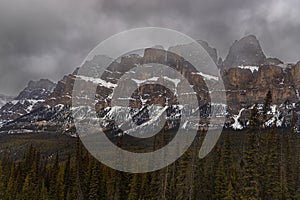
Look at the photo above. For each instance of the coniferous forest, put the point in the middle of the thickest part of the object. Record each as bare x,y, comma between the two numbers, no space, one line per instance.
256,163
255,166
200,96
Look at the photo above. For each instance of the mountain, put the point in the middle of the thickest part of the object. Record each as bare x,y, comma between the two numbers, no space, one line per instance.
28,99
247,52
37,90
247,74
210,50
4,99
55,113
247,87
42,105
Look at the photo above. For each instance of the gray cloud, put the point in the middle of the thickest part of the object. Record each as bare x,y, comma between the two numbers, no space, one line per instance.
47,39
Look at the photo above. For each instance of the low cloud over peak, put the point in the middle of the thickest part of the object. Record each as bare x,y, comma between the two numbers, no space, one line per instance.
47,39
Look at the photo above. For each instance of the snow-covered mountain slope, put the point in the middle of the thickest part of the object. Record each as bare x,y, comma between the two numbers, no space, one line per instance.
55,111
283,115
30,98
246,86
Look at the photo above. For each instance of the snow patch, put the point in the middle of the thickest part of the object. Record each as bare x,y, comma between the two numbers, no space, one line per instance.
251,68
173,80
207,76
297,94
139,82
98,81
236,125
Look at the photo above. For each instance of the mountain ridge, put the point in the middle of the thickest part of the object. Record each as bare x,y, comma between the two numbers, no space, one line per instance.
30,97
246,86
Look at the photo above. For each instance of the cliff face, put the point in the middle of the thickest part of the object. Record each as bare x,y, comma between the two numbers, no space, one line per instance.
245,88
210,50
295,74
248,52
247,75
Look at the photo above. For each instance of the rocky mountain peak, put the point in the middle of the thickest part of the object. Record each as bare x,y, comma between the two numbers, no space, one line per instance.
248,75
210,50
28,99
246,51
37,90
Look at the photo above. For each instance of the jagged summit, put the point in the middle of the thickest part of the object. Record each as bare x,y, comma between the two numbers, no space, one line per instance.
246,51
37,89
248,74
31,97
210,50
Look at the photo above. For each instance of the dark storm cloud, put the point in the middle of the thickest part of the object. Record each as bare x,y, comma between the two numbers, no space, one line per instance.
47,39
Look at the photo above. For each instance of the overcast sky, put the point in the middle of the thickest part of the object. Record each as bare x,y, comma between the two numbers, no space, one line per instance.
47,39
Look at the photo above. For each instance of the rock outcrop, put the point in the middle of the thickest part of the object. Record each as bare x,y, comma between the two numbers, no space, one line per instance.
210,50
248,52
30,98
247,74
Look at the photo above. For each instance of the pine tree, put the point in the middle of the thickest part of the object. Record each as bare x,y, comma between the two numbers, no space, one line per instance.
28,192
67,177
221,182
145,186
134,188
297,178
44,192
94,187
254,121
2,184
271,175
266,106
53,177
12,184
230,193
250,174
291,163
60,186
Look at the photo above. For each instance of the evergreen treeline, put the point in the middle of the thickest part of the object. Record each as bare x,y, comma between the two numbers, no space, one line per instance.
267,167
253,164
